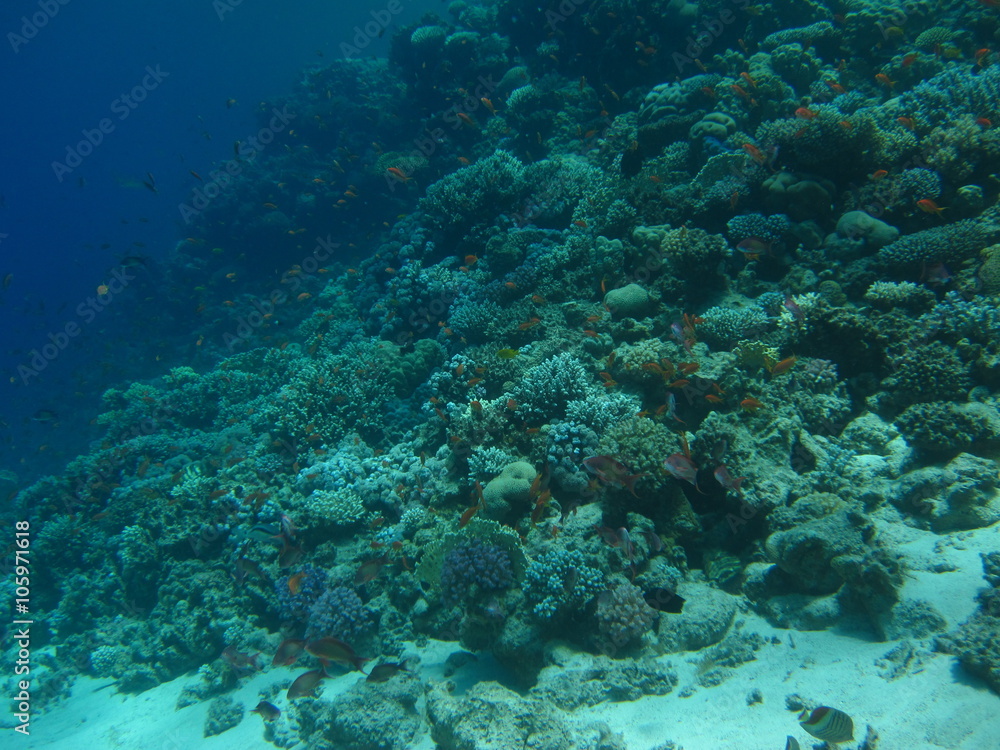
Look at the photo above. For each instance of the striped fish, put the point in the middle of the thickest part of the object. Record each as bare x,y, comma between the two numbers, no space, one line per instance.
791,743
828,724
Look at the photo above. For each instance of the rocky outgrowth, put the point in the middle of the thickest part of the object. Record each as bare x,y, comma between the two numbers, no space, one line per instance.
974,643
489,716
584,680
708,613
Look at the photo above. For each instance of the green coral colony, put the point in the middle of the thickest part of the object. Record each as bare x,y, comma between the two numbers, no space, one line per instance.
675,306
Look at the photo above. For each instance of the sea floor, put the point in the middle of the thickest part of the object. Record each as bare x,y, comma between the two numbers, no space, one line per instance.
932,704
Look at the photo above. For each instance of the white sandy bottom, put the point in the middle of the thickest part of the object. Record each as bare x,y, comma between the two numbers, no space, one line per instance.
939,706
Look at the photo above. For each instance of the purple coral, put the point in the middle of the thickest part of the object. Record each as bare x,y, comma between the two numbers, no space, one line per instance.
473,563
339,612
310,587
623,615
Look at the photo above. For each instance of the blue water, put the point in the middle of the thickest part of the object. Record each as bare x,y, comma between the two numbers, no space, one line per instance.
61,232
650,343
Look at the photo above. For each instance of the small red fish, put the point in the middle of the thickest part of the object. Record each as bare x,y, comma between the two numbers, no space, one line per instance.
295,583
306,683
755,153
335,650
242,664
399,174
682,467
784,365
288,652
612,471
930,207
467,515
804,113
370,570
723,477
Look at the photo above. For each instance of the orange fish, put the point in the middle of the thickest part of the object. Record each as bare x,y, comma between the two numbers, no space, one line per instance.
746,77
471,260
712,398
984,123
399,174
907,122
783,366
804,113
751,404
467,516
531,323
295,583
755,153
835,87
740,92
884,80
474,381
930,207
878,174
466,119
476,406
489,105
909,59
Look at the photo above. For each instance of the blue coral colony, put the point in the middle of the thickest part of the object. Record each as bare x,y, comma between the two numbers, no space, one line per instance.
642,299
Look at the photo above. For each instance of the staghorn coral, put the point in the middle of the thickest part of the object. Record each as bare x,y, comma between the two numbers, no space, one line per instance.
946,244
558,582
943,429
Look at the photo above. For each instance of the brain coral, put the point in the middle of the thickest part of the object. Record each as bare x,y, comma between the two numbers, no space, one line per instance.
630,301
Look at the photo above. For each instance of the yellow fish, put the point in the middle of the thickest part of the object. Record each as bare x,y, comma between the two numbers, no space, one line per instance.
508,353
828,724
